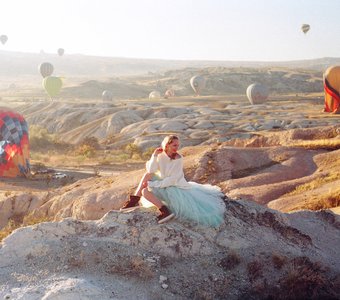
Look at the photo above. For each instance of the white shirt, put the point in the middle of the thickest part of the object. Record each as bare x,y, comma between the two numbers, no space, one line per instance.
169,170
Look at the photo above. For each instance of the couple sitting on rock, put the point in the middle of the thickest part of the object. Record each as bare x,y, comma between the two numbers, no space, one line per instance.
164,185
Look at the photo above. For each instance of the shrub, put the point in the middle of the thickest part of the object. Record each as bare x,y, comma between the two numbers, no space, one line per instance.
15,223
132,266
254,269
306,280
230,261
85,150
8,229
105,161
90,141
278,260
122,157
87,147
133,150
148,152
41,139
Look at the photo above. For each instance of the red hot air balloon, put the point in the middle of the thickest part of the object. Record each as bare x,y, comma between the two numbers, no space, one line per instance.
14,144
331,84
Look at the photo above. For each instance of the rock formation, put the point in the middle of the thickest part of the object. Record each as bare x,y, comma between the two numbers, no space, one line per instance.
257,253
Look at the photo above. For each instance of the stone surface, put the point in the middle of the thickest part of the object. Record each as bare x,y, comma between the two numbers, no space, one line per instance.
110,258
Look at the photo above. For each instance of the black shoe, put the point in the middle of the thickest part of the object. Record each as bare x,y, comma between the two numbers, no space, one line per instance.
131,203
165,215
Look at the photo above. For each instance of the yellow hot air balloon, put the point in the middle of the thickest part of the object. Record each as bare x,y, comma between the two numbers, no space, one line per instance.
305,28
52,85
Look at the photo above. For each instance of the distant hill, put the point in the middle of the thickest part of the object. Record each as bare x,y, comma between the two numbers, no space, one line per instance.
219,81
77,65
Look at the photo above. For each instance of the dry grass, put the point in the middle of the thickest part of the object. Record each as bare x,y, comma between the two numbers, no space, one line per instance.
329,201
20,221
132,266
230,261
7,230
324,201
47,149
7,193
77,261
86,155
255,270
300,278
306,280
42,140
326,144
333,176
278,260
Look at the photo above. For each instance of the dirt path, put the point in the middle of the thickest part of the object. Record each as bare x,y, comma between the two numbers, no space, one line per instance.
45,183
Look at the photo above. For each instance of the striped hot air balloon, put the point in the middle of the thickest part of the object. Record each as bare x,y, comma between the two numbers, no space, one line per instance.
305,28
46,69
331,84
14,145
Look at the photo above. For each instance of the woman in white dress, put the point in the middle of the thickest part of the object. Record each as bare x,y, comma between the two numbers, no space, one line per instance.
164,185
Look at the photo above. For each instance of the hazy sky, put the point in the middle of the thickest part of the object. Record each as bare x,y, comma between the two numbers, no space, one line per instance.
174,29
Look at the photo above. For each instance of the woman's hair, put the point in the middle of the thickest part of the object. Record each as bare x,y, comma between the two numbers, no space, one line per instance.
168,140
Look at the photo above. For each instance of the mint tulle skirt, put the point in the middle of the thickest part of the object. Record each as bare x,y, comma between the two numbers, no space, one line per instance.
202,204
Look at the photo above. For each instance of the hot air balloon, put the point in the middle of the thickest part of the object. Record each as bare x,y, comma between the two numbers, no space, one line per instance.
46,69
3,39
305,28
61,51
107,95
331,84
14,144
52,85
197,83
169,93
154,95
257,93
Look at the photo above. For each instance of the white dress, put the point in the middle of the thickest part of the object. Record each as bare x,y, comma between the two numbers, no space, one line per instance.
199,203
